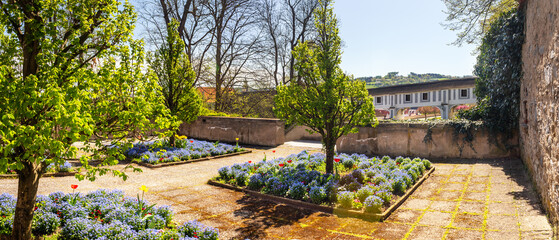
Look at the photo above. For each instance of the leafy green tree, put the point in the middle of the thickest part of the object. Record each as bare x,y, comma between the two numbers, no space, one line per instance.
327,101
176,78
69,72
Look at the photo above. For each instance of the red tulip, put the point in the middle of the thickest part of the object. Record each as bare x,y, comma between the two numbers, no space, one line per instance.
191,141
249,161
274,151
289,161
336,159
74,186
281,164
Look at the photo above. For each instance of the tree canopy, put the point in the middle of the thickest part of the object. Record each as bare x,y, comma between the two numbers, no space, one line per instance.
70,72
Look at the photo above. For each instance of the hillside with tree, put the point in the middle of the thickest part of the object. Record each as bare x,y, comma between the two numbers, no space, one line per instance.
392,78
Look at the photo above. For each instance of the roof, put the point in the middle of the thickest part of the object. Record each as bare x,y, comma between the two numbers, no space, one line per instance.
424,87
208,93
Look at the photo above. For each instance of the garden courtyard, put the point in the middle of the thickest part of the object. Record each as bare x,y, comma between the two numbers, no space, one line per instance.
462,199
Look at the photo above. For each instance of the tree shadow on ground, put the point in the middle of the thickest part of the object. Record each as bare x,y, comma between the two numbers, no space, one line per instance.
260,215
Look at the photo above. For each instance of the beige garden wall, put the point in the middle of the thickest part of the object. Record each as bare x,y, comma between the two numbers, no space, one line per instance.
407,139
539,110
254,131
301,133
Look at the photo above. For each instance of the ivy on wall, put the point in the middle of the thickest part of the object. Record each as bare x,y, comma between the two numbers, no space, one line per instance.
464,132
499,68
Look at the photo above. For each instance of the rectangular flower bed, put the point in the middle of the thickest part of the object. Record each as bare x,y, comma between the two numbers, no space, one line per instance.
102,214
160,153
366,187
65,169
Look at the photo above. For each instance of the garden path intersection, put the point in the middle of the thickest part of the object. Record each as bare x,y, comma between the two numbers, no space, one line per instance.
463,199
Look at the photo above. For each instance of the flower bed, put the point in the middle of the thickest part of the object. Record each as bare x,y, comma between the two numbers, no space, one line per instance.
369,185
102,214
65,169
161,152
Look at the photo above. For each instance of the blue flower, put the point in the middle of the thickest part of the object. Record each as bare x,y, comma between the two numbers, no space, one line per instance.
101,214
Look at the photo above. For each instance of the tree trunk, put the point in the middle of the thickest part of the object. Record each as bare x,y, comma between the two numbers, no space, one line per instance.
218,77
172,139
27,193
330,144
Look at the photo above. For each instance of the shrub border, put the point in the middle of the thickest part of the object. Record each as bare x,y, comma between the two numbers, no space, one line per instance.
57,174
160,165
326,209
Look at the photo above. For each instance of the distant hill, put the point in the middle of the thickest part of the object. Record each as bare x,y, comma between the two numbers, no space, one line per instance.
392,78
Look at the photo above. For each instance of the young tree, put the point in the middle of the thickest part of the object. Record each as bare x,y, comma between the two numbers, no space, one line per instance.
69,72
327,101
176,78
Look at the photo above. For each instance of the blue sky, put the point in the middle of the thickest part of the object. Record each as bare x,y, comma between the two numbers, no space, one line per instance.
404,36
399,35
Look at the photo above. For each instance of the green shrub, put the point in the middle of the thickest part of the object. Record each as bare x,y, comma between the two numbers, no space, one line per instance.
345,199
349,163
297,191
427,164
399,185
317,194
364,193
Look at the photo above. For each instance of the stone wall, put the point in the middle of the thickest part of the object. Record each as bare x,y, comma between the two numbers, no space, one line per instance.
301,133
254,131
539,130
407,139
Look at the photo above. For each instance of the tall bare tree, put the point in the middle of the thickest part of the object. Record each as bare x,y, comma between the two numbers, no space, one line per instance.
299,18
234,44
194,27
274,46
284,24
